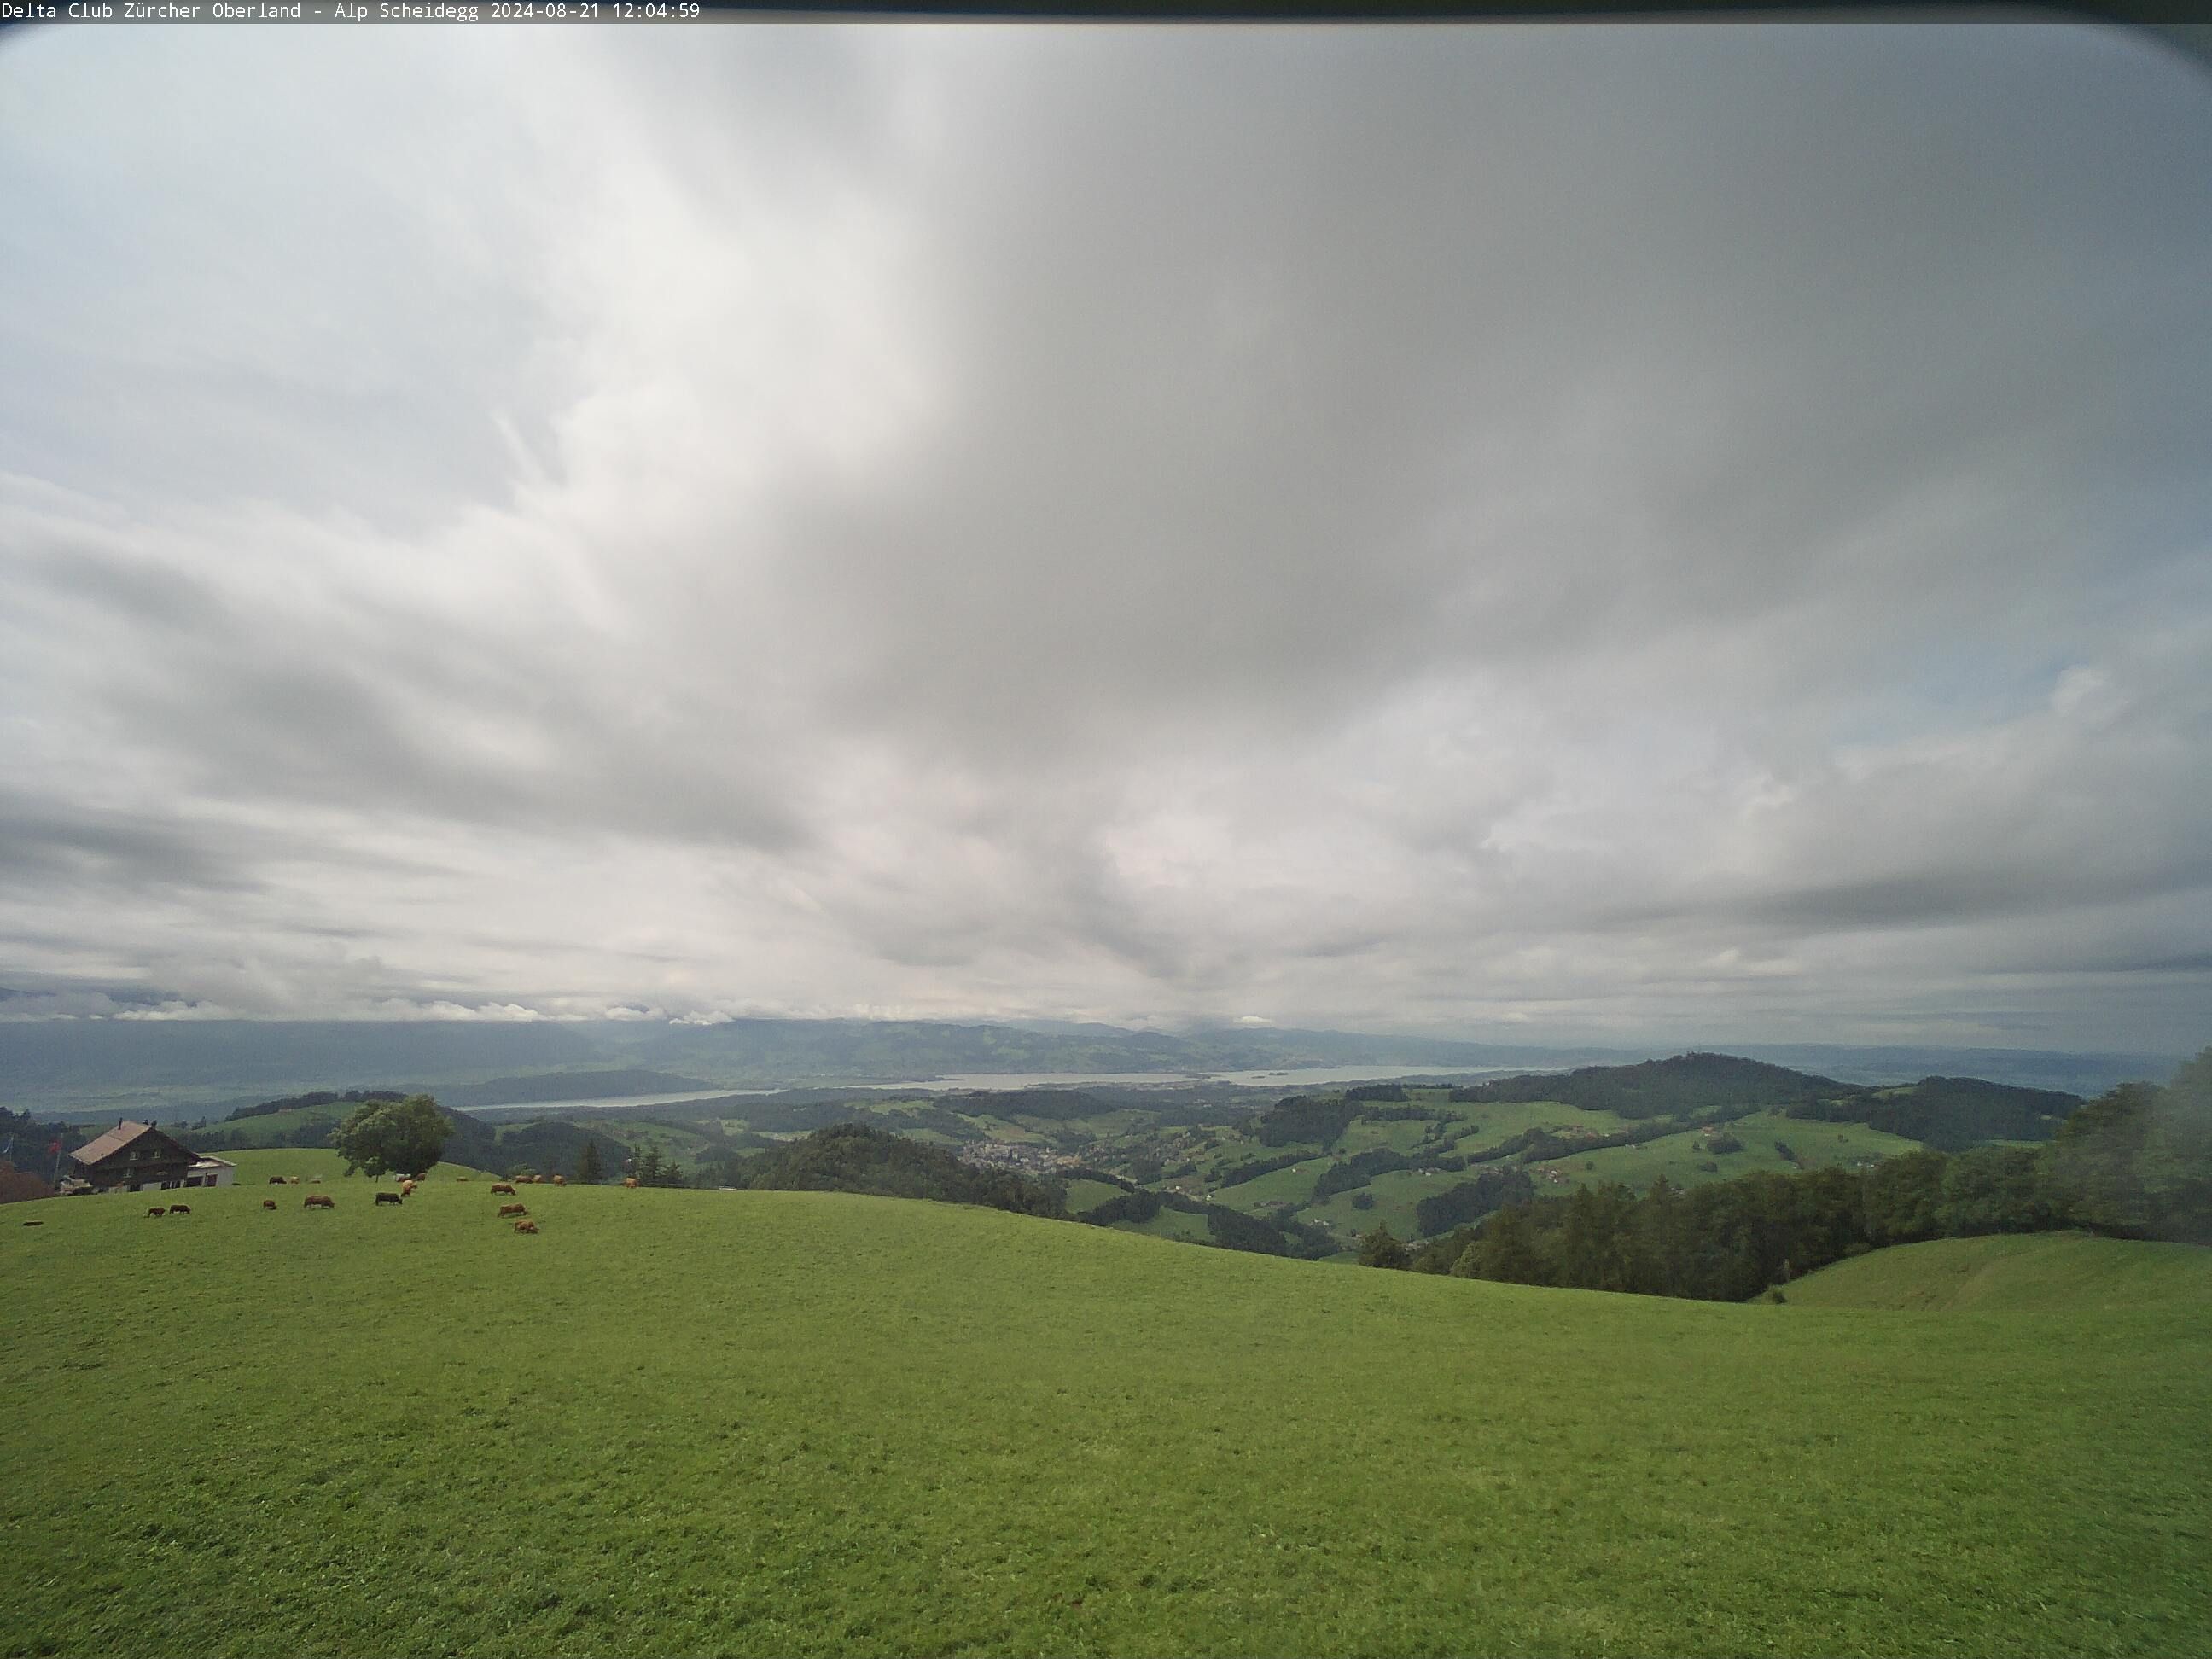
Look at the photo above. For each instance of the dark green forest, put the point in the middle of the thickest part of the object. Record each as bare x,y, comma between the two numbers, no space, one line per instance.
2135,1162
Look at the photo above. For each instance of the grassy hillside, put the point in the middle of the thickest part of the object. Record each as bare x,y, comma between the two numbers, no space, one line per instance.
1684,1159
798,1423
257,1165
2033,1274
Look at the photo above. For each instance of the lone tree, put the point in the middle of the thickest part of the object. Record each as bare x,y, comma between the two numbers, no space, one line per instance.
1381,1249
588,1167
388,1136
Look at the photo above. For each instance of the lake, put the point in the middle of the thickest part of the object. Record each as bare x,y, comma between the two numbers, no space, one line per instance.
1288,1079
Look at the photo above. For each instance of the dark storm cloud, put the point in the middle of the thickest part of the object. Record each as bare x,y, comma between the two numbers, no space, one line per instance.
1599,530
116,853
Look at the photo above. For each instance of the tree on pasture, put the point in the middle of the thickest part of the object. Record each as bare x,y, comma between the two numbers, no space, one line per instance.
588,1167
387,1136
1381,1249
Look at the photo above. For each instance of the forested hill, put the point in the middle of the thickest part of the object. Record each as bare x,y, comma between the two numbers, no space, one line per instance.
1951,1113
1665,1088
849,1158
1948,1113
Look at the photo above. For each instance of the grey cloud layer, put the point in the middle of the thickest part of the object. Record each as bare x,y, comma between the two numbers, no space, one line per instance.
1624,531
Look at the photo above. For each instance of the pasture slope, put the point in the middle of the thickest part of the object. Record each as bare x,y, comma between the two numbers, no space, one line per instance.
794,1423
2030,1274
256,1164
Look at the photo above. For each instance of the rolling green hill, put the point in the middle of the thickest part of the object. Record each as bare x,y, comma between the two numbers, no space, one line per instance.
682,1421
2035,1274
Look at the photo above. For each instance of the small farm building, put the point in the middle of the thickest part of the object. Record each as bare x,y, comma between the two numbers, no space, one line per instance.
132,1156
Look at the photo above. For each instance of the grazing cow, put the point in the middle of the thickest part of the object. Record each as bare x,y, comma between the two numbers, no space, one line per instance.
314,1181
559,1181
407,1187
629,1180
506,1210
461,1177
321,1201
526,1226
180,1209
276,1181
387,1198
291,1180
267,1203
157,1210
498,1186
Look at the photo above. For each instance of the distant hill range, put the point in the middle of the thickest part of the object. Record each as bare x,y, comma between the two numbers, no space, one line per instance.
218,1064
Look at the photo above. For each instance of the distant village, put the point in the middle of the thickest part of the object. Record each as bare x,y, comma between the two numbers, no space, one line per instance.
1014,1155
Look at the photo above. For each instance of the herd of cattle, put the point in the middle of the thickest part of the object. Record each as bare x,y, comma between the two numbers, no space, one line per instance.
407,1186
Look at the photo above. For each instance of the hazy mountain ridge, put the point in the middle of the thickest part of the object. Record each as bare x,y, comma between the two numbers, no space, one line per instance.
217,1063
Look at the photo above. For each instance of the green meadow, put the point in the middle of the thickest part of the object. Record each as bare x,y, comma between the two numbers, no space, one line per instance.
2026,1274
1396,1193
257,1166
787,1423
1681,1158
1084,1194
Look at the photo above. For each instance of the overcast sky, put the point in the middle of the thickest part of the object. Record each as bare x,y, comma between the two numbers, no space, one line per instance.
1674,534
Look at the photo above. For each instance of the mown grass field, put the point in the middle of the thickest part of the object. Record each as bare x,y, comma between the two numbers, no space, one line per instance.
695,1422
2026,1274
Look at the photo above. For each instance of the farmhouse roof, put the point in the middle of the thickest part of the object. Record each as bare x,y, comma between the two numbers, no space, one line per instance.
165,1149
111,1143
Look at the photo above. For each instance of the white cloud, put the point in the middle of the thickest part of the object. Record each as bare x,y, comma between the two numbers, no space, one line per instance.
969,522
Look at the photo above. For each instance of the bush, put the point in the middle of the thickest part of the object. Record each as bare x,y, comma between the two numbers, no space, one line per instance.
1381,1249
1362,1200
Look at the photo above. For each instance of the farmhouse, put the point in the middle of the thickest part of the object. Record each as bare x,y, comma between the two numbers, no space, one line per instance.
131,1156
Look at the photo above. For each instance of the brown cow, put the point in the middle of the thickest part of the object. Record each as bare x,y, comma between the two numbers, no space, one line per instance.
559,1181
629,1180
498,1186
407,1187
267,1203
506,1210
526,1226
461,1177
321,1201
157,1210
276,1181
180,1209
387,1198
291,1180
